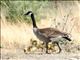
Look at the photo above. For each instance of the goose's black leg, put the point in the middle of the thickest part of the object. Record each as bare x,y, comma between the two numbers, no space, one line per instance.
59,47
47,47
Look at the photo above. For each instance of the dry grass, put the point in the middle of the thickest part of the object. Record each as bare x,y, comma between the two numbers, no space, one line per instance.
19,35
16,35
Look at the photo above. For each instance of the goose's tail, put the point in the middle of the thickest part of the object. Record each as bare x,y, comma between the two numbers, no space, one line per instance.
67,38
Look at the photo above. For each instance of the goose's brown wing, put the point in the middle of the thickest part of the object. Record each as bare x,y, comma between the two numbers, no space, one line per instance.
51,32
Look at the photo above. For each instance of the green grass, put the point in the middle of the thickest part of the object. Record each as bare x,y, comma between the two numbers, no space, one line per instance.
15,9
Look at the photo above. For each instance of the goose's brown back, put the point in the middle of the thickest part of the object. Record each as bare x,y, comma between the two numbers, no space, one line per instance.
51,32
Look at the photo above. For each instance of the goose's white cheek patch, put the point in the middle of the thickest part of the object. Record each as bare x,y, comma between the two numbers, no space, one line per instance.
30,14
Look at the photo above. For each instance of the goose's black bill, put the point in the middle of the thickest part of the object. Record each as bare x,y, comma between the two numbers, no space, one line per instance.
67,38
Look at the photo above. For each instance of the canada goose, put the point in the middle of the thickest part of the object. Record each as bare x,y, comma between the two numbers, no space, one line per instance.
46,34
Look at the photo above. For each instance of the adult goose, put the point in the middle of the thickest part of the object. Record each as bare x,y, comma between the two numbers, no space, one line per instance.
47,34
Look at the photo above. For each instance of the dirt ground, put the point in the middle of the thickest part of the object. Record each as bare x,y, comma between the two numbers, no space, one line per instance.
18,54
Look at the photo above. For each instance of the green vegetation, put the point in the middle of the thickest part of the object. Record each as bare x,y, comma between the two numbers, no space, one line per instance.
14,10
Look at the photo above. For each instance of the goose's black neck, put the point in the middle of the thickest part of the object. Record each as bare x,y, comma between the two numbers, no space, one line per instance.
33,21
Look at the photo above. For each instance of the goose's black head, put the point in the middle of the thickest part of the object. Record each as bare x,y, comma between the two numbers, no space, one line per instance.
32,17
28,13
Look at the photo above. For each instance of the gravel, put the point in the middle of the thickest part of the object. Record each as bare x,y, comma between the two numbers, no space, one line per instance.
18,54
